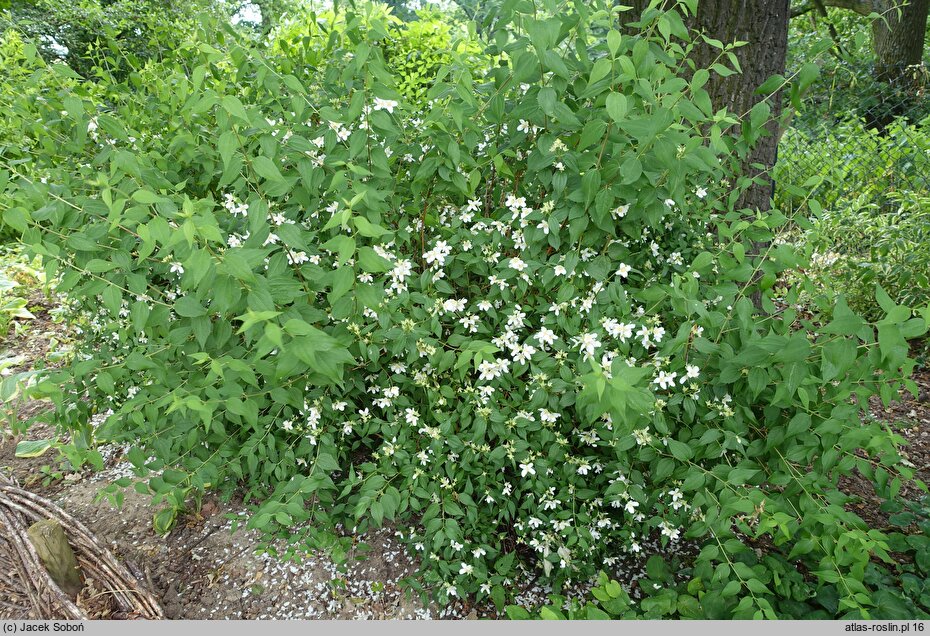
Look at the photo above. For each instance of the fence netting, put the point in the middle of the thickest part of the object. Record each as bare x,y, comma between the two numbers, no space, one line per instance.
868,140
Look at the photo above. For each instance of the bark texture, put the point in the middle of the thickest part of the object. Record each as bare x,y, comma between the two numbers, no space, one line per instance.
898,40
764,24
51,544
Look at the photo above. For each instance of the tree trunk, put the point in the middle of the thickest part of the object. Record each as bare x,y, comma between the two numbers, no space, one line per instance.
898,39
764,25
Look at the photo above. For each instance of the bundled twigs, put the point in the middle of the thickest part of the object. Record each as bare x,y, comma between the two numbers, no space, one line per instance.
26,586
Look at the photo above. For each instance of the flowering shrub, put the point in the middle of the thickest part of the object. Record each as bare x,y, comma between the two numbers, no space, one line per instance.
518,322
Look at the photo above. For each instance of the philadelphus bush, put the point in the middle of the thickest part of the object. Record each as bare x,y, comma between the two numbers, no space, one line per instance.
517,321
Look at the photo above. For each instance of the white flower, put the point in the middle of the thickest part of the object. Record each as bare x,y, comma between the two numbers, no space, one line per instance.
700,193
642,436
487,370
466,569
692,371
623,270
527,469
669,531
385,104
548,416
438,254
517,264
546,337
478,552
631,506
587,343
559,270
272,239
176,268
296,258
625,331
665,380
523,353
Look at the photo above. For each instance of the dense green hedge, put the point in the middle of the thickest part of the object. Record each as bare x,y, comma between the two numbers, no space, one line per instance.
516,317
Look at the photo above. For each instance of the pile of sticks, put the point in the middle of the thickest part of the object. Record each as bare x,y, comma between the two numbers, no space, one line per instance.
27,590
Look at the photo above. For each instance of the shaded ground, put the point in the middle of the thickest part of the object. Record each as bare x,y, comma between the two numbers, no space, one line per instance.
910,418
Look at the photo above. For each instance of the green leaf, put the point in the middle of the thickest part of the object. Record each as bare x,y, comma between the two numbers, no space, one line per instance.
343,246
227,145
342,280
189,307
616,106
845,322
234,107
146,197
613,41
771,85
164,520
266,169
600,70
370,261
680,450
251,318
326,462
367,228
595,614
377,512
739,476
547,99
33,448
549,614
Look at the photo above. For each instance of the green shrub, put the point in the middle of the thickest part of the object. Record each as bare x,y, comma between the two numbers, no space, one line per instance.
861,245
84,32
25,81
518,322
414,52
417,52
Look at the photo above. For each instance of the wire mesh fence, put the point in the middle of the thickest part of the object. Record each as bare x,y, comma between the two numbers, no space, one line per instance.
869,141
